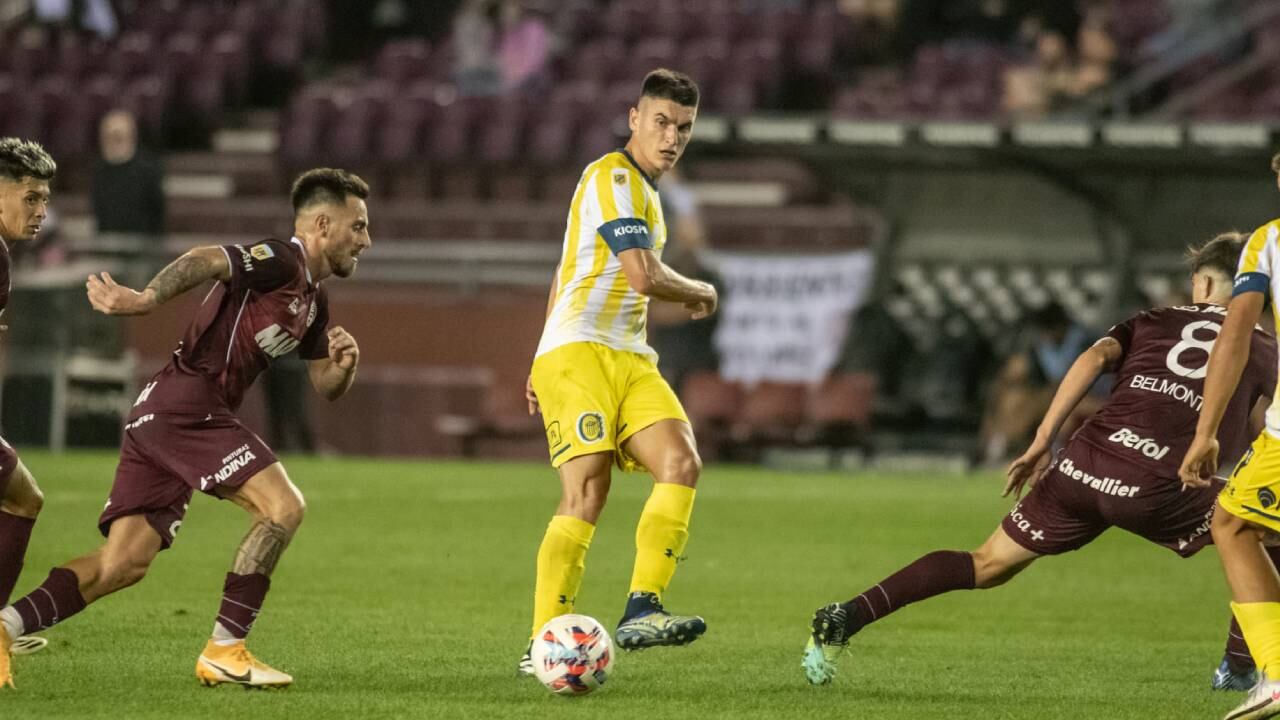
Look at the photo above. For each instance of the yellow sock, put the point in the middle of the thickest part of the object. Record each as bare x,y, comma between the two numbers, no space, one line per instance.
1260,623
561,559
661,536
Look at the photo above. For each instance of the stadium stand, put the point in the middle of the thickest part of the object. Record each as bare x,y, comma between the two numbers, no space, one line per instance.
470,187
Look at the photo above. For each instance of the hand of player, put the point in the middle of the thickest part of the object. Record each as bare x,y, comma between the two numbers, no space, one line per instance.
530,396
110,298
343,350
1200,462
699,309
1029,467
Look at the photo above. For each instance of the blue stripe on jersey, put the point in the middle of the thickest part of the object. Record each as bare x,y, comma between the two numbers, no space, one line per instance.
1250,282
626,234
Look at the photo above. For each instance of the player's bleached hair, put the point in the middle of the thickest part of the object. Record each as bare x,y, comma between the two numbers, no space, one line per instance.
25,159
670,85
1275,163
326,185
1222,254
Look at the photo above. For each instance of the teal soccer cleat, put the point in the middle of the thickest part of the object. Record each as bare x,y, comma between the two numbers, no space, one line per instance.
828,639
1228,678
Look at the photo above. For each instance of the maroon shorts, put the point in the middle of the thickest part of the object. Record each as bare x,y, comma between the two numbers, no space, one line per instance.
165,457
1087,491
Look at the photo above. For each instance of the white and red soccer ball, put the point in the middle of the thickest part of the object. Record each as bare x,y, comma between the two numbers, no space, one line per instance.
572,655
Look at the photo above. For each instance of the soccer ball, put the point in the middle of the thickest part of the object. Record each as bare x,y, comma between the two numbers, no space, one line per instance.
572,655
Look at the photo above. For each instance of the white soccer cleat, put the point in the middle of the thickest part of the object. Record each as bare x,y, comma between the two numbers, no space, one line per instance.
28,645
1263,701
234,664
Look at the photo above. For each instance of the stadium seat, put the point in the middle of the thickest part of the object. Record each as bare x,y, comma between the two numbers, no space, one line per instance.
594,62
707,397
403,60
359,113
841,403
770,412
133,55
449,132
399,138
230,50
305,123
501,136
712,404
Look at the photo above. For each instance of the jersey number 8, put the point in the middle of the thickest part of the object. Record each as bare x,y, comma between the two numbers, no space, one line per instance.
1189,342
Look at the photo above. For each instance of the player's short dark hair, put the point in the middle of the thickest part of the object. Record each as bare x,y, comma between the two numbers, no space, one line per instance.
25,159
326,185
670,85
1222,253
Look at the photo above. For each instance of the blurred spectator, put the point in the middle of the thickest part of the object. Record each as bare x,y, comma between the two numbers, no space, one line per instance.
1025,385
524,50
874,22
1058,73
476,71
96,16
684,346
128,192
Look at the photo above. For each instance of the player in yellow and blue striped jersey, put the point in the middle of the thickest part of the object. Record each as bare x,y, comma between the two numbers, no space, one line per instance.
595,378
1248,511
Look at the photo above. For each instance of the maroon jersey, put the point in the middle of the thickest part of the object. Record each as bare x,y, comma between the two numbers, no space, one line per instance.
1150,418
267,309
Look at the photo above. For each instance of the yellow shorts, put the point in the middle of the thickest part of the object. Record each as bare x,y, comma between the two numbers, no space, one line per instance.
1254,487
594,398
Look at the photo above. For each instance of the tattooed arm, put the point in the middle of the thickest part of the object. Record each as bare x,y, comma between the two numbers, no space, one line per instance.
196,267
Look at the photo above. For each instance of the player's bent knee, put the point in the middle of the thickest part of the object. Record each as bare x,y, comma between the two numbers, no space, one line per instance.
586,503
995,577
992,570
33,503
684,469
289,514
121,571
23,497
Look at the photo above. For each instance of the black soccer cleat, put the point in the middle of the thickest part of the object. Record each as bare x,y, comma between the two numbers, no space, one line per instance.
524,668
646,624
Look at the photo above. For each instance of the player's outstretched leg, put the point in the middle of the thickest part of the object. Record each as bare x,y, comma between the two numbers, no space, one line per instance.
122,561
667,449
941,571
277,508
562,556
20,503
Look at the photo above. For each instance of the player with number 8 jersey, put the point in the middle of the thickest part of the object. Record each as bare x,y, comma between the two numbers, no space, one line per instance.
1119,470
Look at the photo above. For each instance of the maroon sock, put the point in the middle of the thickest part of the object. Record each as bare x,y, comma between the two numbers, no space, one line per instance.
15,532
1237,654
936,573
242,597
57,599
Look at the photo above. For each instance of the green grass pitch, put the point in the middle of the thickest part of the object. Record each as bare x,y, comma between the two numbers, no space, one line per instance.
407,594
